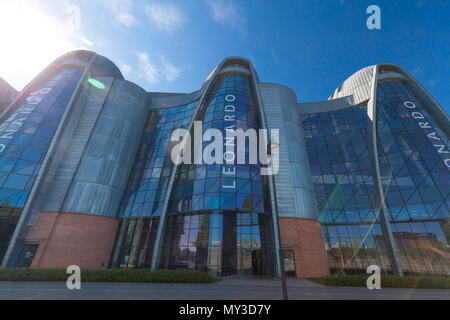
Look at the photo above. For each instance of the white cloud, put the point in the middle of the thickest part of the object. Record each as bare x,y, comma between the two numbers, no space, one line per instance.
154,72
122,12
125,68
227,13
147,69
168,70
126,19
165,16
86,41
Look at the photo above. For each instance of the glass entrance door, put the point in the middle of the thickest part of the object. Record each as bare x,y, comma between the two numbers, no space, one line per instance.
289,262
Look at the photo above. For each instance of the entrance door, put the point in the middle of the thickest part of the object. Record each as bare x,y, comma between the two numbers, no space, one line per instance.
289,263
244,263
28,252
257,263
250,262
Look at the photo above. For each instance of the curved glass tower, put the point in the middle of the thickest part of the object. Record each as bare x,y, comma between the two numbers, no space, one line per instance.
217,217
380,166
47,145
26,131
414,160
218,220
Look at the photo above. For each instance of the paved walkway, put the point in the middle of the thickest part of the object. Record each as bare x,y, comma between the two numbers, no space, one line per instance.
233,289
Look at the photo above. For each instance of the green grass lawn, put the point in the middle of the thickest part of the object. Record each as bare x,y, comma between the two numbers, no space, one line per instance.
386,281
109,275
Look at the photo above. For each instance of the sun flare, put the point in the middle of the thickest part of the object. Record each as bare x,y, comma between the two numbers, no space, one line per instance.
31,40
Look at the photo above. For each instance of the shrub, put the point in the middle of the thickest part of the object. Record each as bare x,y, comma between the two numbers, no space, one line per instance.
109,275
386,281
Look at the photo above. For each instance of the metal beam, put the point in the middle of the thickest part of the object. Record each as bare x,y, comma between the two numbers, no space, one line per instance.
391,246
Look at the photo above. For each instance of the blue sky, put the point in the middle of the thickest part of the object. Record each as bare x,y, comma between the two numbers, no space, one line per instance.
310,46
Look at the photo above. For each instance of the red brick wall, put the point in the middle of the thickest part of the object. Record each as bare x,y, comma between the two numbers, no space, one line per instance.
72,238
305,238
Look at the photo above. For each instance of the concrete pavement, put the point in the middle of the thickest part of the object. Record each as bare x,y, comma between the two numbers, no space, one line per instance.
230,289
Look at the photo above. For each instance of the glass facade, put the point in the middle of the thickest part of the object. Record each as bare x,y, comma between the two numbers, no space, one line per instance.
414,162
413,158
218,242
218,214
147,187
240,187
149,179
230,200
24,140
341,170
135,243
208,242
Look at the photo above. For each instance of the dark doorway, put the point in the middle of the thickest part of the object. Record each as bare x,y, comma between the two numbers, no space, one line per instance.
289,263
28,253
257,263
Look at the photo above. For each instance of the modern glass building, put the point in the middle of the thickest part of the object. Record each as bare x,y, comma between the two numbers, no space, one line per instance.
87,176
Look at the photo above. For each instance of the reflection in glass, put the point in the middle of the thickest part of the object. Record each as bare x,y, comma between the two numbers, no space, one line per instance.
413,175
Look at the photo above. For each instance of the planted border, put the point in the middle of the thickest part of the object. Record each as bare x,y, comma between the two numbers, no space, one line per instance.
386,282
109,275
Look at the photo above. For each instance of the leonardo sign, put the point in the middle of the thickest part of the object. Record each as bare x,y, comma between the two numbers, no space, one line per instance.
436,141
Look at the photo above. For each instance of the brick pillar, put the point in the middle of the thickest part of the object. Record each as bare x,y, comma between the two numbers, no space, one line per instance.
304,237
67,239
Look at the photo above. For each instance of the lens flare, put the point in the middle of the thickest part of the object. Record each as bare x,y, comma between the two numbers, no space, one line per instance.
371,225
443,254
96,84
330,198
